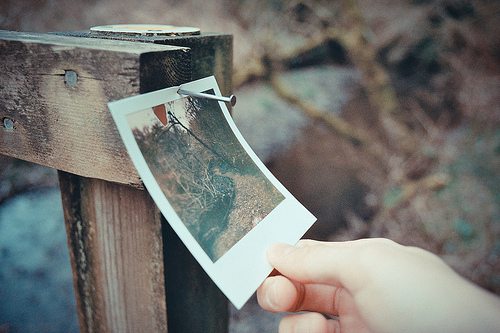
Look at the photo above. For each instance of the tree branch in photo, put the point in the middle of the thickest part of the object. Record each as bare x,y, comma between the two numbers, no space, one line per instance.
178,122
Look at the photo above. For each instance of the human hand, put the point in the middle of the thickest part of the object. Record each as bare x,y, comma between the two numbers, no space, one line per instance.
372,285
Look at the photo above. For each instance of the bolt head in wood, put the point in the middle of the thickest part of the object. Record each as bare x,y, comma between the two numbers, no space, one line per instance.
8,123
70,78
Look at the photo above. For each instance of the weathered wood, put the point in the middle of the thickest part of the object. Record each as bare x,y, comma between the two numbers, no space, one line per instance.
62,121
115,234
194,303
211,53
114,237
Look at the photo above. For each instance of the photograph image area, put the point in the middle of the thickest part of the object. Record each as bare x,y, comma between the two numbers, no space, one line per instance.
213,185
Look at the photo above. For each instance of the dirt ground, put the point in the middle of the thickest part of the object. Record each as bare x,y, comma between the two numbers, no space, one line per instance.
249,208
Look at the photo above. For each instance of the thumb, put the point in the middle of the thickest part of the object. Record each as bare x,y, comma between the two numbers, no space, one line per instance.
313,262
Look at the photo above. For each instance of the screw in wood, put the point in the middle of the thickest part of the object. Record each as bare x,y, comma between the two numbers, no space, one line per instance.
230,99
8,123
70,78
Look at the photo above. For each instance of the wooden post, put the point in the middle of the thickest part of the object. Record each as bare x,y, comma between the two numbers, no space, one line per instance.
54,90
190,292
114,236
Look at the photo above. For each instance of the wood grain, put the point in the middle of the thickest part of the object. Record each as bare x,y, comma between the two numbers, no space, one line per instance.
68,127
123,254
211,53
114,237
194,303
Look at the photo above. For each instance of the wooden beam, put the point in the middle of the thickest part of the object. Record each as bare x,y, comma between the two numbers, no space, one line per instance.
211,53
115,233
55,90
189,290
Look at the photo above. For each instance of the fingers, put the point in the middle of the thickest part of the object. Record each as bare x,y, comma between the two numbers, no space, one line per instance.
279,294
309,322
314,262
345,264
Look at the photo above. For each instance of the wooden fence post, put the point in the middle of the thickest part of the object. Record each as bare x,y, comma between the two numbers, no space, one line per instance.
54,90
114,237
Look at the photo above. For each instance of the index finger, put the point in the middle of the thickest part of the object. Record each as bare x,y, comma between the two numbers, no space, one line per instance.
316,262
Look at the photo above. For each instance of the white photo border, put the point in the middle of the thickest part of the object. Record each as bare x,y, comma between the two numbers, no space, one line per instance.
240,271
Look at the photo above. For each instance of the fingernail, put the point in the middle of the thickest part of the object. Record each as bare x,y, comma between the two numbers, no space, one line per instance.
271,294
276,251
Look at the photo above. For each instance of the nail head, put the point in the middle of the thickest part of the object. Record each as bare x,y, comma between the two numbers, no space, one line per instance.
8,123
70,78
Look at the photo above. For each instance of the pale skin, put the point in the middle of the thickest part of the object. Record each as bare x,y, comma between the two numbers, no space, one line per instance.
372,285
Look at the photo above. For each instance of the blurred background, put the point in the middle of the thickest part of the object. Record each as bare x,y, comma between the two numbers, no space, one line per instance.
381,117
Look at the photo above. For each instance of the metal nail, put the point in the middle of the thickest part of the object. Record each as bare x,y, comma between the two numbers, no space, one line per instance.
231,99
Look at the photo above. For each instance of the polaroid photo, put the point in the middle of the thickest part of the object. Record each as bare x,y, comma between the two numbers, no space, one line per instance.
217,195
